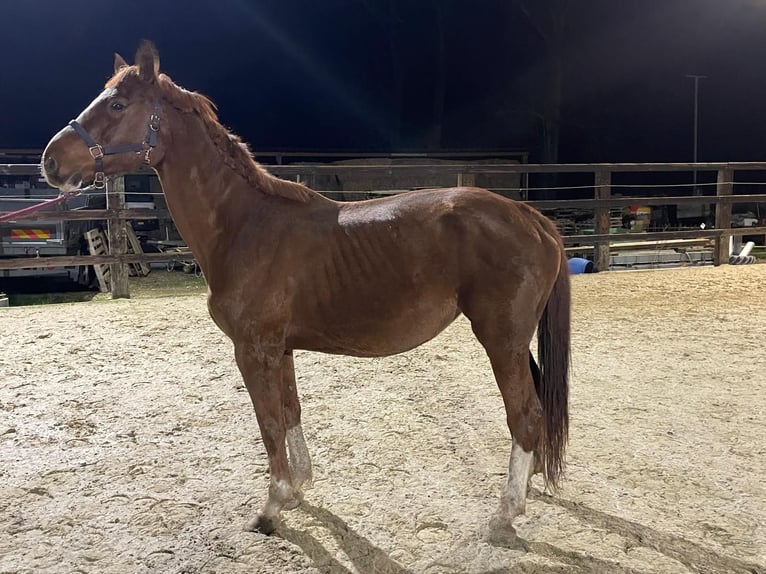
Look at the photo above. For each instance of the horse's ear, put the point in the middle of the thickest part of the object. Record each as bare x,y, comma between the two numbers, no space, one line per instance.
119,62
148,61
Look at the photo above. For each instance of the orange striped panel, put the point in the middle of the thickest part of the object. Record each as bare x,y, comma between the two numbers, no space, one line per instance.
30,234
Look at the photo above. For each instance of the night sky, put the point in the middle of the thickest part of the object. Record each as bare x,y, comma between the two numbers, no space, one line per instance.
360,75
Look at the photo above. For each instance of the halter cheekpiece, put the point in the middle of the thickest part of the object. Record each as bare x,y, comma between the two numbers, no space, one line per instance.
98,151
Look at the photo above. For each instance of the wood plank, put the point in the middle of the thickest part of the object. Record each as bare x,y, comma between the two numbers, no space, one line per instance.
140,268
70,260
656,235
618,202
304,168
661,244
404,169
148,214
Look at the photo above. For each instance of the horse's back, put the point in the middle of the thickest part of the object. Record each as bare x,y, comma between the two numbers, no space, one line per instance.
471,227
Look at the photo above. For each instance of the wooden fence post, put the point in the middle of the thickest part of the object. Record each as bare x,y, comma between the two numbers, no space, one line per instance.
724,186
118,237
603,189
466,180
309,181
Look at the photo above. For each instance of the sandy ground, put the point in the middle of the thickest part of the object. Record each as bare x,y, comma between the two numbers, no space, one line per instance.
127,443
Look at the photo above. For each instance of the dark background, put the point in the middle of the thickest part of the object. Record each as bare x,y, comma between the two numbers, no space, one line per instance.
412,75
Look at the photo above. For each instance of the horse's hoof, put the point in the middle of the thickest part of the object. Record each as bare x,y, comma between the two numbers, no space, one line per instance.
263,524
295,501
503,535
308,483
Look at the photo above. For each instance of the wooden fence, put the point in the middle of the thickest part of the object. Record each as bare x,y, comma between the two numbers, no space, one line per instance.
601,202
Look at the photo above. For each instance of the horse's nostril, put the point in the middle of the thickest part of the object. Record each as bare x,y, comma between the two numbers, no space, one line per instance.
50,165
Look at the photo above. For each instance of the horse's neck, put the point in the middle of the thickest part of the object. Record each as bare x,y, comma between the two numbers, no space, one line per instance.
202,191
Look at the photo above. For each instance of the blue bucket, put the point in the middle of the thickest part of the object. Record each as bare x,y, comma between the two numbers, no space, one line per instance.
579,265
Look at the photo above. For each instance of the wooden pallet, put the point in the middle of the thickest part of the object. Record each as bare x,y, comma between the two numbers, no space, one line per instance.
99,245
139,269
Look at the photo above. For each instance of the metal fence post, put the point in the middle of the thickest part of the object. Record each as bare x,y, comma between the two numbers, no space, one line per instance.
118,236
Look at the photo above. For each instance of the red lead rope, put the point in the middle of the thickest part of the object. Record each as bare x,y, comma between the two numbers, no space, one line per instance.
22,213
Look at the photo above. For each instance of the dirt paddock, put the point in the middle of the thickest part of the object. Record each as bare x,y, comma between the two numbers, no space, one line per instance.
128,445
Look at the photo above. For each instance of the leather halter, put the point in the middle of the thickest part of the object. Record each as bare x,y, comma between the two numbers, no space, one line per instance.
98,151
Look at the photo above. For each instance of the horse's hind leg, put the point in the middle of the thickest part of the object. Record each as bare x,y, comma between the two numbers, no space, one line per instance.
507,345
300,460
524,416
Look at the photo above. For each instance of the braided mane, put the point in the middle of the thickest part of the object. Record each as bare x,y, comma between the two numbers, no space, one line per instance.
234,152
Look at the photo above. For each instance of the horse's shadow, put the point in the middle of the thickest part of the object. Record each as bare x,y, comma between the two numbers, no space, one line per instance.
695,557
365,556
368,558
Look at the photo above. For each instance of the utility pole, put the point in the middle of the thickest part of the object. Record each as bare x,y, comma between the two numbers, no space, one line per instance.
696,79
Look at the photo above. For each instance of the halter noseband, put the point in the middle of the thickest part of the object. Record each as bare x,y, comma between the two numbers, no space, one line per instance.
98,151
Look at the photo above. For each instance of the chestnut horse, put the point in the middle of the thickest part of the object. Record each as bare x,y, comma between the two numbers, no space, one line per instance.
289,269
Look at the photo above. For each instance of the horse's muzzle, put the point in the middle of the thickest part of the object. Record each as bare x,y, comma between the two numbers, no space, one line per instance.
50,166
50,171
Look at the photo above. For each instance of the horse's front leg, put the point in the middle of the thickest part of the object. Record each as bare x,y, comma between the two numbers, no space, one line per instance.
261,368
300,460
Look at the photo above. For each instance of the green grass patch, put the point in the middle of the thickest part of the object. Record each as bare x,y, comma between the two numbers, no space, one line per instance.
22,299
159,283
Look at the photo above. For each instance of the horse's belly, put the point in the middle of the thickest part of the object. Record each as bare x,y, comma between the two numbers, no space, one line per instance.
377,333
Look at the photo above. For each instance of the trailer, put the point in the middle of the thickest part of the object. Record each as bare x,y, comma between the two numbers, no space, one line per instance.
22,186
48,236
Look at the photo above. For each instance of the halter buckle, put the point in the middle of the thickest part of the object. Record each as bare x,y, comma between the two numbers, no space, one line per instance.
96,151
99,180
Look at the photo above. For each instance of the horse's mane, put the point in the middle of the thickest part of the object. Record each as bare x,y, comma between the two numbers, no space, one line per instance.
234,152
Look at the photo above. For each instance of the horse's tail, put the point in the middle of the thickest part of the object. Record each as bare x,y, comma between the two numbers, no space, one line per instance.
553,339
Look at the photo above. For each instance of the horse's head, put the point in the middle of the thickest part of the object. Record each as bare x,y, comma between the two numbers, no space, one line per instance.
116,133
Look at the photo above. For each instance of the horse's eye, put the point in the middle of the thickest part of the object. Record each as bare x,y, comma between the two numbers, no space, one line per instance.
118,107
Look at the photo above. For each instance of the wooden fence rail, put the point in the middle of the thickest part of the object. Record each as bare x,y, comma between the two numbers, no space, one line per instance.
541,204
67,260
602,201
